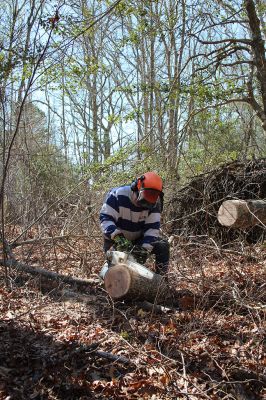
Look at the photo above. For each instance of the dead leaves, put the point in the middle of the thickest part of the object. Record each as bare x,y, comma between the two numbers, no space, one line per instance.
134,384
53,348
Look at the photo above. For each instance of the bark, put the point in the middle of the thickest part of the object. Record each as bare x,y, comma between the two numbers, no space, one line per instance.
241,213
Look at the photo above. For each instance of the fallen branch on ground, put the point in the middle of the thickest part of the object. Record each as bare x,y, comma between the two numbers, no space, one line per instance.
14,264
155,308
92,348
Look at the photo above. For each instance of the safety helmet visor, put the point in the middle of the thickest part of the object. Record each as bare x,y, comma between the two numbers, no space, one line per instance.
148,197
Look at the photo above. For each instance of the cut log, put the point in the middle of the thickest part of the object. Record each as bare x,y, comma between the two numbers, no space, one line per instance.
133,281
242,213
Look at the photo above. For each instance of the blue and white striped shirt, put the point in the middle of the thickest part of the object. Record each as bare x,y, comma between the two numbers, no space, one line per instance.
120,214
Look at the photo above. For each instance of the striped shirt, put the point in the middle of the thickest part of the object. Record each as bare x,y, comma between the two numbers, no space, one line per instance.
120,214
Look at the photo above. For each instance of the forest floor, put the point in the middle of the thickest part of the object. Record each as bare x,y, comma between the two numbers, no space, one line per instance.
61,341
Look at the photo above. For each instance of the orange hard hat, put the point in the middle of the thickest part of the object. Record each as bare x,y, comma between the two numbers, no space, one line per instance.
151,185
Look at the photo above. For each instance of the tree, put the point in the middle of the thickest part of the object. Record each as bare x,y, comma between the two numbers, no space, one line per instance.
237,62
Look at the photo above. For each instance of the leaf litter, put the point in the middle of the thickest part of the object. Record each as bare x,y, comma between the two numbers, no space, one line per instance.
64,342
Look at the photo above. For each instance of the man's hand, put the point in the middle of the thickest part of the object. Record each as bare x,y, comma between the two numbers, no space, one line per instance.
121,243
140,253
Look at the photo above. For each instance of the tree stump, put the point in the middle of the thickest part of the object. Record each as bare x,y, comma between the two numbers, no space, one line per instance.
132,281
242,213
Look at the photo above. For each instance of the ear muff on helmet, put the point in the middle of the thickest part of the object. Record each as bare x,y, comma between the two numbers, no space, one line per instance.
136,184
161,201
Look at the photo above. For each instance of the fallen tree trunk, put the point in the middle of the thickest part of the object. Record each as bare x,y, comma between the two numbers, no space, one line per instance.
43,272
242,213
133,281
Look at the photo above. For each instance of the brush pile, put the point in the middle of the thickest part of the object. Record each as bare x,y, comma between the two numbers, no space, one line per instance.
192,211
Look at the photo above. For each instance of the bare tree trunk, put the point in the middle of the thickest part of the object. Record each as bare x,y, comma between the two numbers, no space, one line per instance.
144,88
152,79
95,122
63,120
258,48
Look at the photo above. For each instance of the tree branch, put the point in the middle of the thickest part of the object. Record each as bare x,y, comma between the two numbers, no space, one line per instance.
232,40
13,263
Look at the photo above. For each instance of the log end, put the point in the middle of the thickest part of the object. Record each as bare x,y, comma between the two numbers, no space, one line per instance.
242,213
117,281
227,213
230,212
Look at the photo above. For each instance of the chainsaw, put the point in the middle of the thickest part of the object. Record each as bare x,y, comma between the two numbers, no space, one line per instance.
114,257
124,252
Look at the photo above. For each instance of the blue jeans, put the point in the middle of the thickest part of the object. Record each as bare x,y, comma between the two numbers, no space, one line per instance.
161,250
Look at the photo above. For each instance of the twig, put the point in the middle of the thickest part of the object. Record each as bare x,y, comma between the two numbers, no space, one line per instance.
237,253
104,354
238,300
47,239
156,308
184,373
113,357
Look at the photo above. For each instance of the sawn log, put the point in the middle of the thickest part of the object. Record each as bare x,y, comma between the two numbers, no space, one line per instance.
131,280
242,213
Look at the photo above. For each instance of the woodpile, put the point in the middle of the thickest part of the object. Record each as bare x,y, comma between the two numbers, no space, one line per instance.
193,210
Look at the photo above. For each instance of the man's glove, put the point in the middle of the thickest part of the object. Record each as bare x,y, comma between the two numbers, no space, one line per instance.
121,243
140,254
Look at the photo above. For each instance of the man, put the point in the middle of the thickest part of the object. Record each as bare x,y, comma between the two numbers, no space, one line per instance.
132,213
